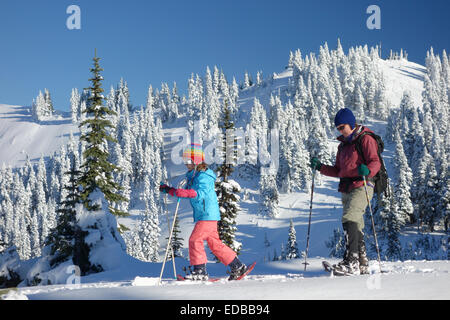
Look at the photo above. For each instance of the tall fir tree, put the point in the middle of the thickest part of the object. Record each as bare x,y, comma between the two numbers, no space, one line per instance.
97,170
402,188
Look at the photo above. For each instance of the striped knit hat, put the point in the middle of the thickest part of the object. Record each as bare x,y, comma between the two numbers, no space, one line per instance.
193,153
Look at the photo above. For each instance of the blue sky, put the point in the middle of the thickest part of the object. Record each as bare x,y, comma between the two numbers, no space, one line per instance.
149,42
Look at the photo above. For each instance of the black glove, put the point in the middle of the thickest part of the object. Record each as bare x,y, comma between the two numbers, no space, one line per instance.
164,188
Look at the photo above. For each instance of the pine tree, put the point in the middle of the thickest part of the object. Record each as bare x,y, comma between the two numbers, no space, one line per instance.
392,230
402,188
247,81
269,193
66,239
38,108
292,249
149,232
48,103
75,101
359,106
22,203
97,170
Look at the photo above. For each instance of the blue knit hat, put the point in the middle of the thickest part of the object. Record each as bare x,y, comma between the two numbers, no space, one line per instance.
345,116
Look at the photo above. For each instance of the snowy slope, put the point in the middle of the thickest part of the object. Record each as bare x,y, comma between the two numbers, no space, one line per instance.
20,136
401,75
269,280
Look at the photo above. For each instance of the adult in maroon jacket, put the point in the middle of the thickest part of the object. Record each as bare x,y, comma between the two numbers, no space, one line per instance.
350,167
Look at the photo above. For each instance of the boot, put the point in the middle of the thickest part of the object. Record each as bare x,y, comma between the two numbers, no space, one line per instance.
237,269
350,264
198,273
363,260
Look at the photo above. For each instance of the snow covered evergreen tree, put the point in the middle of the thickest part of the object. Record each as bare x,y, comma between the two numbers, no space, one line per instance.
269,193
292,249
402,188
149,232
42,107
48,103
66,240
97,170
75,101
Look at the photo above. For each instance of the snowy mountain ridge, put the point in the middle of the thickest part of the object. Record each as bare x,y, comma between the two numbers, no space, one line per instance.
21,137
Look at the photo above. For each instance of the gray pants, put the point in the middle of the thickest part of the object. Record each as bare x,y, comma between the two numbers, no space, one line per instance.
355,204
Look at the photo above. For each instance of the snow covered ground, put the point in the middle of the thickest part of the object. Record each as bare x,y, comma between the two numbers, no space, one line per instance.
269,281
275,280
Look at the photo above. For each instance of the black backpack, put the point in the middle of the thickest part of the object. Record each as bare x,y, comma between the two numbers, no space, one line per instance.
381,179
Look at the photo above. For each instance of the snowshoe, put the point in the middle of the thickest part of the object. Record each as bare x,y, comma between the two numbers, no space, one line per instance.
348,266
241,272
197,274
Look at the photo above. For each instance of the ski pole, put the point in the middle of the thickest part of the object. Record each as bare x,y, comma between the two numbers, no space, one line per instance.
180,185
309,222
373,223
170,241
168,227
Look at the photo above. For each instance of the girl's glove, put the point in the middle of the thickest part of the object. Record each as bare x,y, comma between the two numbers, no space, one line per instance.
164,188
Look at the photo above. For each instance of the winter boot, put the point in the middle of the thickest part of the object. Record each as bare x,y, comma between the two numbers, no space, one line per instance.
237,269
349,266
363,260
198,273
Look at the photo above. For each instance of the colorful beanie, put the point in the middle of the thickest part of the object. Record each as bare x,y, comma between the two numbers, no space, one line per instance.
193,153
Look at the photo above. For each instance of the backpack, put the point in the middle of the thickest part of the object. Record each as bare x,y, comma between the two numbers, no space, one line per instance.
381,179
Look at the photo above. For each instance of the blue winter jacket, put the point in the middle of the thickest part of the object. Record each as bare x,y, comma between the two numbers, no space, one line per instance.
205,205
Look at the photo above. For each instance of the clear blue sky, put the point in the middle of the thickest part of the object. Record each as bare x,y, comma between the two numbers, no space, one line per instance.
149,42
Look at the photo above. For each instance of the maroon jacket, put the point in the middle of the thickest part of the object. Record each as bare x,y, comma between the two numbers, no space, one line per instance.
348,160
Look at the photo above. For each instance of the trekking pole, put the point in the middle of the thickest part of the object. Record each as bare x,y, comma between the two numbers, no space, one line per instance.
171,233
168,227
309,222
373,223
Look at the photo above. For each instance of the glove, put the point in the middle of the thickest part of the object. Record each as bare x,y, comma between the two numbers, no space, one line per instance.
315,164
363,170
164,188
172,191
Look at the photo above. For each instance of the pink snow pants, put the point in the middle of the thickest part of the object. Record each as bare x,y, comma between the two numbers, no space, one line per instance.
207,230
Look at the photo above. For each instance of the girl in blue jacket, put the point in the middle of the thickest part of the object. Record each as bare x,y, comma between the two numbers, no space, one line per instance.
201,192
